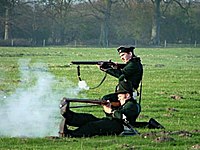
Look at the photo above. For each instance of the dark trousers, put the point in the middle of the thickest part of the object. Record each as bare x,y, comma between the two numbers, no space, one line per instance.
89,125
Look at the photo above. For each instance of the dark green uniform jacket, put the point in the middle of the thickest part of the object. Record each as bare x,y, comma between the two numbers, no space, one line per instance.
130,110
132,72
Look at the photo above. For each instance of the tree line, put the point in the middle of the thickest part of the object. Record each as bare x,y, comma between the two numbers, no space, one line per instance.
99,22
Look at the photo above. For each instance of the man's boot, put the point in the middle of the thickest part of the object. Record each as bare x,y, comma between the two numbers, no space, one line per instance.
63,128
153,124
64,108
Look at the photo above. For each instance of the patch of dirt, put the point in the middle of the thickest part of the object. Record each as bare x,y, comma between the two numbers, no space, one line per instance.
149,135
176,97
164,136
159,65
197,146
196,131
172,109
143,116
127,146
181,133
162,93
168,115
164,139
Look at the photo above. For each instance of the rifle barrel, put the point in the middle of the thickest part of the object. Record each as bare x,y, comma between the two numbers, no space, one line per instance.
109,63
81,106
92,101
87,62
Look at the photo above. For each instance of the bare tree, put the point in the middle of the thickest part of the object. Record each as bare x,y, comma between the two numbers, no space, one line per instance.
155,33
102,11
7,6
183,4
58,10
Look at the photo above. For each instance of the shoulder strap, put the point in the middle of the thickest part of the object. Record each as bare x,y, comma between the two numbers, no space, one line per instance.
140,96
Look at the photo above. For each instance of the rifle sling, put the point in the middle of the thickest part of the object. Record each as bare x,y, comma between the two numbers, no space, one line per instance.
100,82
79,73
79,77
140,96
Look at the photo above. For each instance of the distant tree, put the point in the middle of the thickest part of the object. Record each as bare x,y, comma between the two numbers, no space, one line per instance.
100,22
132,22
180,23
102,12
189,8
185,5
57,11
6,6
155,34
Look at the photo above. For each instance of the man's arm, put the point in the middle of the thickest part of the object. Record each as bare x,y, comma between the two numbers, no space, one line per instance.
114,72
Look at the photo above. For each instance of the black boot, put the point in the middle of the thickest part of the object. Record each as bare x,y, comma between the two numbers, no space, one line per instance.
153,124
64,107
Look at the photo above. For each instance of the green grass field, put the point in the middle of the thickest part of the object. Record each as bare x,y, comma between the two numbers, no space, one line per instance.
171,90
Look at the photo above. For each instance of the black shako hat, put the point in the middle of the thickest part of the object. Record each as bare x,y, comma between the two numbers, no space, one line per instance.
124,87
125,49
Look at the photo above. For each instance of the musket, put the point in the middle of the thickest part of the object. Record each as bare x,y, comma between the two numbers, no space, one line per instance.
91,101
104,64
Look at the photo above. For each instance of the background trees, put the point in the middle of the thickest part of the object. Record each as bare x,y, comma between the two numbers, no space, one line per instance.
99,22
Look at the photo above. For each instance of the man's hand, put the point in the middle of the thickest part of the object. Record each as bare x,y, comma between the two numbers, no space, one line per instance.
107,108
102,66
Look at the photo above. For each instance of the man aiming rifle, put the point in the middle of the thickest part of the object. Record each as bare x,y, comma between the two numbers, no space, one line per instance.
90,101
113,124
131,72
104,64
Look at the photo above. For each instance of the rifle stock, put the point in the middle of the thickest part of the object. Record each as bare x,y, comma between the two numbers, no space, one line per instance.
91,101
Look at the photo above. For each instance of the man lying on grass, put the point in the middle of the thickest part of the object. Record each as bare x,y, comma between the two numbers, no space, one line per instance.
113,124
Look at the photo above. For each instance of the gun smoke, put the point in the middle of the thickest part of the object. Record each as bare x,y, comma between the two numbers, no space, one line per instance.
33,109
83,85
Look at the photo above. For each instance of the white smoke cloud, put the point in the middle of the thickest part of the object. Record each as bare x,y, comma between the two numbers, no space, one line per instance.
33,109
83,85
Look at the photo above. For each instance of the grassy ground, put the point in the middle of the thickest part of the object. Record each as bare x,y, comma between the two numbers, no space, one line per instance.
170,95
